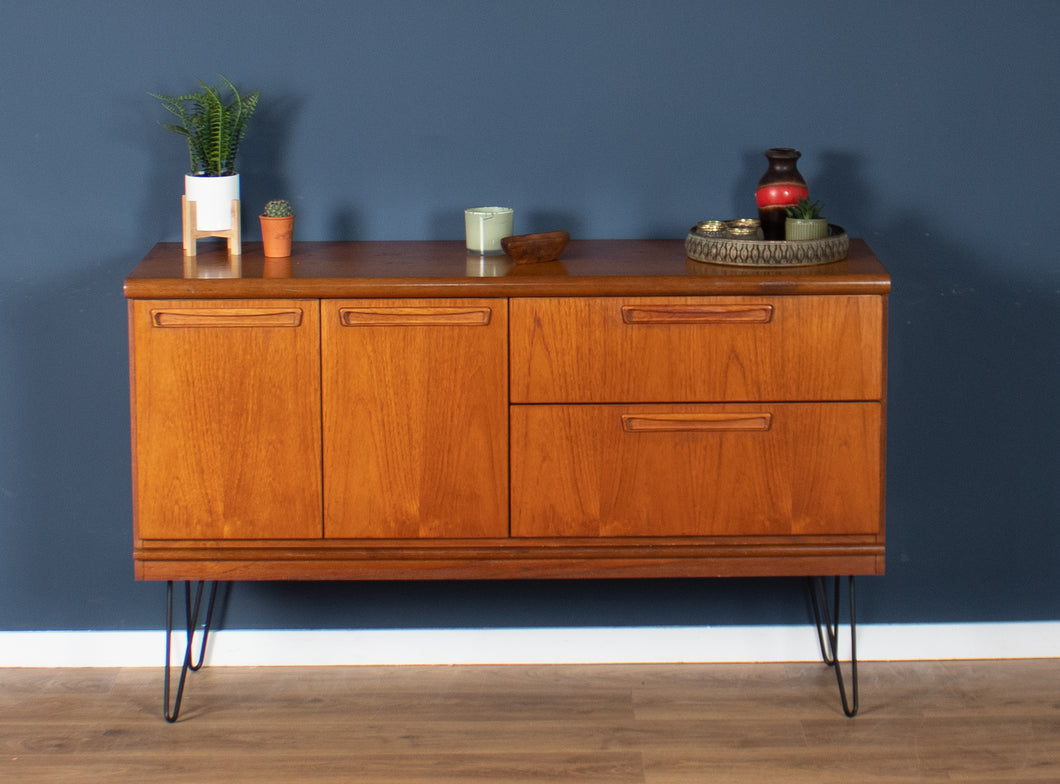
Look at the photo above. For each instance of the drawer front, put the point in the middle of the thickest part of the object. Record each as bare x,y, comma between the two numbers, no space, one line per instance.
696,470
694,349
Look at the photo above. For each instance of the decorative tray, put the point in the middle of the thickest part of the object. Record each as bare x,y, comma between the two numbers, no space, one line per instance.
763,253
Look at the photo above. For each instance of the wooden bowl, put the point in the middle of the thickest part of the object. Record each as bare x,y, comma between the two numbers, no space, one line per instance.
533,248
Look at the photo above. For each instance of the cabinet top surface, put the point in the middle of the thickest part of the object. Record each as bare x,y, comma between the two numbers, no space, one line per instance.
445,269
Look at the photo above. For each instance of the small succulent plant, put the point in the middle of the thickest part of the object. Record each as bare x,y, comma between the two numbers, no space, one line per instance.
278,208
804,210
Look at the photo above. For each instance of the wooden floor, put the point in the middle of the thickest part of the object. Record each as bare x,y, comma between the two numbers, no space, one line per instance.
985,721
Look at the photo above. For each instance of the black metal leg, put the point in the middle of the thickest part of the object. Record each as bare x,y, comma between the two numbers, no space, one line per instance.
827,620
191,613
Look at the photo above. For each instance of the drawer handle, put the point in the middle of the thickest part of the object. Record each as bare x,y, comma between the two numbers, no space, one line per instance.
415,317
701,423
173,318
697,314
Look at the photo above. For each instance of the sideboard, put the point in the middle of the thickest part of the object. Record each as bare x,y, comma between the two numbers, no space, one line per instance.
406,411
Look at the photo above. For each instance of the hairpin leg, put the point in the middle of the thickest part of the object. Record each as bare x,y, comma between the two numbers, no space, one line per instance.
191,611
827,620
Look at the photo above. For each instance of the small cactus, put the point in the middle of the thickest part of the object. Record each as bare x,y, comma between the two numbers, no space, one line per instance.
278,208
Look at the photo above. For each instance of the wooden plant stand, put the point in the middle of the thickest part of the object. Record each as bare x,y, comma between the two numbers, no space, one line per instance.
192,234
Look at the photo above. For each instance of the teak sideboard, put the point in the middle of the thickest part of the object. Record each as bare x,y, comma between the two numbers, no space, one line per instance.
404,410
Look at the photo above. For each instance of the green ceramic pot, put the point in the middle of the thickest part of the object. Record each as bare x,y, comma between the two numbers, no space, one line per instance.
805,228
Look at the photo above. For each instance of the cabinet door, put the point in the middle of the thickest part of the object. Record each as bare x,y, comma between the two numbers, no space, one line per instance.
415,418
226,419
755,469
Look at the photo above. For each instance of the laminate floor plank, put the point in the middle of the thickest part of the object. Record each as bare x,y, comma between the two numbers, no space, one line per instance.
988,721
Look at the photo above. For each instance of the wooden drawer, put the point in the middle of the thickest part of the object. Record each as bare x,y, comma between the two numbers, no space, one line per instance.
696,470
695,349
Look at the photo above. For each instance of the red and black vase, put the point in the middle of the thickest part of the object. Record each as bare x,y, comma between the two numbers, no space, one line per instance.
780,187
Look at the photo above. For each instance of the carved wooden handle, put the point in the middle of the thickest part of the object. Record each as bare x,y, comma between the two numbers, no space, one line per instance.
415,317
679,423
226,317
697,314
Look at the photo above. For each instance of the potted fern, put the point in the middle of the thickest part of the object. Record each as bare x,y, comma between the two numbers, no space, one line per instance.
804,221
213,125
277,226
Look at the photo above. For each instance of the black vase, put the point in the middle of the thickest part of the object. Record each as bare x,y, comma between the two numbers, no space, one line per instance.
780,187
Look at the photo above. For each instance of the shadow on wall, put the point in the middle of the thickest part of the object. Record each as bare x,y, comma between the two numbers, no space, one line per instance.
261,167
972,428
65,523
449,223
835,178
517,604
264,162
972,431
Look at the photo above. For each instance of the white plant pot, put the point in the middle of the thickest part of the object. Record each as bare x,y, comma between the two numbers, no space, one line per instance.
213,200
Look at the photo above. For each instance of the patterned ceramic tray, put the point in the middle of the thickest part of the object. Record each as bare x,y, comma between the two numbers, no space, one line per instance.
763,253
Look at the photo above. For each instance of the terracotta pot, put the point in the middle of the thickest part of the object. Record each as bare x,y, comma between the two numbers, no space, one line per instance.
276,235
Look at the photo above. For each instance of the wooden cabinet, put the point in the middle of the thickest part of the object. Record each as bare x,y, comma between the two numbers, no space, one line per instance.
373,411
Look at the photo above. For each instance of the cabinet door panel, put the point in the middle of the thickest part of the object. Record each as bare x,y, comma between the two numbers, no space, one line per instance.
226,427
694,349
415,418
696,470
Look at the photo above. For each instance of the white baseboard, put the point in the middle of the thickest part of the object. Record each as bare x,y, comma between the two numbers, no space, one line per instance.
655,644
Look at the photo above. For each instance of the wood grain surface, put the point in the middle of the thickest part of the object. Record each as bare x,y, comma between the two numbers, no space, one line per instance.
974,721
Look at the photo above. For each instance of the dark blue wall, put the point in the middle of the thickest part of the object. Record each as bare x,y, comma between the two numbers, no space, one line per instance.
927,128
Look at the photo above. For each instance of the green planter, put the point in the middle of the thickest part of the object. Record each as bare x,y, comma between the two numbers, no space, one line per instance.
805,228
